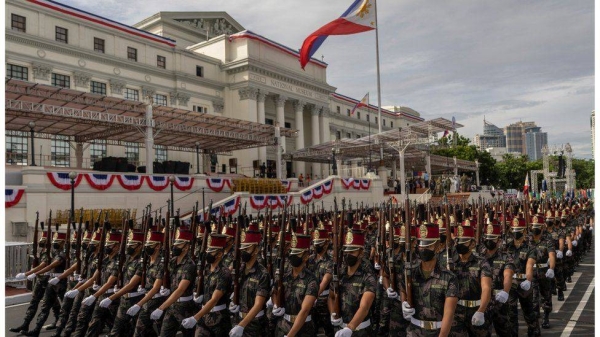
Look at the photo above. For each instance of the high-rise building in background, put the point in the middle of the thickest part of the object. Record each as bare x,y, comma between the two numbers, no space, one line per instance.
535,140
593,127
515,136
493,136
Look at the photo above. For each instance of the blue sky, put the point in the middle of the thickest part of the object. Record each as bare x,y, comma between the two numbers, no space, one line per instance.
507,60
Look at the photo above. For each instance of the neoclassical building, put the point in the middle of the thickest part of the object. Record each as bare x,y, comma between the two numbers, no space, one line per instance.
199,61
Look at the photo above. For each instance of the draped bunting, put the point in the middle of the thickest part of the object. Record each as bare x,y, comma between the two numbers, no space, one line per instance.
184,183
347,182
328,186
12,196
217,184
318,192
131,182
258,202
231,207
357,184
100,181
157,183
62,180
306,197
365,184
287,184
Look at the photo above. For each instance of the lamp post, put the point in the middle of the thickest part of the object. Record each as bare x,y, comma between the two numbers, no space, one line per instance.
334,163
31,126
197,157
172,180
72,176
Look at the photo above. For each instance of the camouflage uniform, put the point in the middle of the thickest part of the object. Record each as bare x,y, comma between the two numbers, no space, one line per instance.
320,312
67,305
89,268
392,322
429,297
39,288
104,316
123,322
178,311
295,289
469,274
145,327
498,312
569,261
351,290
558,282
216,323
520,256
228,259
542,286
254,283
53,293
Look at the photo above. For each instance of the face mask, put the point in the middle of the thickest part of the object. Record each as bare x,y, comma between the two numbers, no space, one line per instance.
351,260
56,245
395,245
41,245
108,250
210,258
319,249
549,224
442,237
74,246
131,250
537,231
84,246
402,246
92,248
518,235
246,256
176,251
149,251
426,254
489,244
296,260
462,249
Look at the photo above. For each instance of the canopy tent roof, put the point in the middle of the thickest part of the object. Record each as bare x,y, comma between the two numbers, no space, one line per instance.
86,117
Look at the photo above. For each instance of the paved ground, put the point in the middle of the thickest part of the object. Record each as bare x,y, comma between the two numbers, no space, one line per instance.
573,317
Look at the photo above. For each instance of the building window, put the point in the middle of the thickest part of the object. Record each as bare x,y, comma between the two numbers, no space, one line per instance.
16,148
391,124
288,125
17,72
131,54
348,135
97,151
98,88
201,109
338,135
62,34
132,94
160,99
18,23
358,114
268,121
357,136
348,112
99,45
368,118
61,151
384,122
59,80
161,61
376,121
338,109
132,152
200,71
160,153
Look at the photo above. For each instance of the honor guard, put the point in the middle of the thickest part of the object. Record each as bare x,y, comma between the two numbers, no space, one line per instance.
321,265
555,239
544,269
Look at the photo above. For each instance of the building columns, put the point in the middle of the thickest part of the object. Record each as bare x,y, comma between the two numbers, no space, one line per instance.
248,102
280,104
314,119
325,135
149,140
262,151
299,166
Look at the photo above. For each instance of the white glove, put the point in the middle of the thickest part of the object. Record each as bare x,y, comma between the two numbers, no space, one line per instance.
478,318
234,308
278,311
72,293
164,291
133,310
526,285
345,332
270,303
559,254
574,243
237,331
391,294
30,277
189,322
105,303
54,281
156,314
380,279
502,296
199,299
550,273
20,276
377,266
89,300
95,287
407,311
336,322
579,237
569,253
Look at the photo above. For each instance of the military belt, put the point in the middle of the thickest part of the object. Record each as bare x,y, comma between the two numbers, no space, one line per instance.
185,299
469,304
519,276
324,293
427,325
542,265
361,326
136,294
244,314
218,308
292,318
157,295
110,291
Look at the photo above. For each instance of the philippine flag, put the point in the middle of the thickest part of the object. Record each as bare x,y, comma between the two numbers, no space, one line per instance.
363,102
358,18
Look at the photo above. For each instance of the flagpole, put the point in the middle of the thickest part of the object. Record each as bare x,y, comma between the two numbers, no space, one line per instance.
378,76
369,122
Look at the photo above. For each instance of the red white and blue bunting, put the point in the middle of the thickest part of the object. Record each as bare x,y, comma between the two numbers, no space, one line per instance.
317,192
12,196
100,181
218,184
287,184
258,202
306,197
231,207
327,186
131,182
357,184
157,183
62,180
365,184
347,182
184,183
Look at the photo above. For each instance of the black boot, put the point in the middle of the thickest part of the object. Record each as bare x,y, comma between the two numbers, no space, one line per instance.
51,326
553,291
57,332
561,296
569,279
546,321
18,329
35,332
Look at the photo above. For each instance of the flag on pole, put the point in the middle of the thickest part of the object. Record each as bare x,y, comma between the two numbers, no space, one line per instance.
446,133
358,18
526,187
363,102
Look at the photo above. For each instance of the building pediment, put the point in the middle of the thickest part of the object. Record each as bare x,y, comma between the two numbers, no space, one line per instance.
202,23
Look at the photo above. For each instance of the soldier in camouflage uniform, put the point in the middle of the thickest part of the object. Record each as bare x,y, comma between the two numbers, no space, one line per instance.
102,316
129,293
474,275
546,260
52,293
276,233
179,304
392,322
565,246
321,265
503,269
255,285
144,326
555,237
434,290
524,257
39,287
228,250
300,289
570,236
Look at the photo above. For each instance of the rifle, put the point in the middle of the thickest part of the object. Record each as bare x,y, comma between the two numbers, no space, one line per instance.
200,285
235,273
36,258
194,228
391,258
105,228
49,236
146,226
407,271
270,247
337,259
166,281
68,239
281,270
79,237
448,233
125,235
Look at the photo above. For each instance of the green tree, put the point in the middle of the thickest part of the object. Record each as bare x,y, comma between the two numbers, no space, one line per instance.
585,173
511,171
487,164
